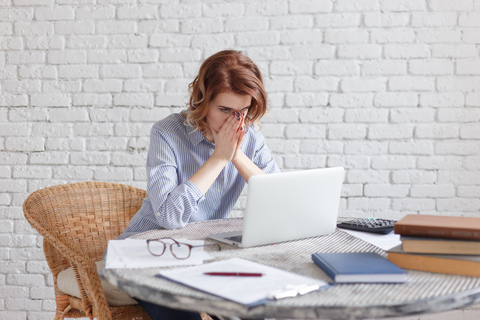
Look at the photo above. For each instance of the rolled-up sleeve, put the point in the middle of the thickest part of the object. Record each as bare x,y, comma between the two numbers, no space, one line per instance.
262,156
173,201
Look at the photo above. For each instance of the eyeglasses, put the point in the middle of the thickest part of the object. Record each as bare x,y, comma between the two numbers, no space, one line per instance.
179,250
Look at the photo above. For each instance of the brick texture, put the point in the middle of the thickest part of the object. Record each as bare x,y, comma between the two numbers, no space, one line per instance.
388,89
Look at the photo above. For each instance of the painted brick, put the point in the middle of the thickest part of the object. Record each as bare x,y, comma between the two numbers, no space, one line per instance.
259,38
378,68
346,132
396,99
95,13
304,161
468,67
45,43
246,24
87,42
127,42
366,147
443,19
359,51
405,51
363,85
291,22
351,100
306,99
143,12
24,144
297,37
92,100
114,174
356,6
439,162
311,6
411,83
55,13
390,132
385,19
397,162
107,56
453,51
409,115
366,116
74,27
34,28
315,84
92,158
414,147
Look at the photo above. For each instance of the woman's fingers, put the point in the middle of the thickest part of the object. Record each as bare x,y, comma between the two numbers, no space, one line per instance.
232,124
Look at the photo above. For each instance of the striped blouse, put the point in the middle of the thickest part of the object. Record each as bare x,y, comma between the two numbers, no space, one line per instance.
176,152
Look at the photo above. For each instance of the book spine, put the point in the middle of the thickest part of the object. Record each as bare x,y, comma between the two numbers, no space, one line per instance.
324,266
434,264
433,232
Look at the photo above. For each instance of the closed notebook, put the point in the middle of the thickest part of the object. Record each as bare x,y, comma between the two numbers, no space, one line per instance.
359,267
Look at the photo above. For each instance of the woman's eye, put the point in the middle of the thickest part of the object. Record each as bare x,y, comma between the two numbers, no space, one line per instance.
224,110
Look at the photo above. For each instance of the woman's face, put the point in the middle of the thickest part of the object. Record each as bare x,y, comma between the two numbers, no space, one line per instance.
222,107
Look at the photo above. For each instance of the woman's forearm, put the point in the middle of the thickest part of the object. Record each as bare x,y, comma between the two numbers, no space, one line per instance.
245,166
208,173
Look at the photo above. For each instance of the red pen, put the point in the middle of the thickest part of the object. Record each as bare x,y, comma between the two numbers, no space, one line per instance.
234,274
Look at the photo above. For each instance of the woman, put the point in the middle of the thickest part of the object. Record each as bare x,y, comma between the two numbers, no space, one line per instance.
199,160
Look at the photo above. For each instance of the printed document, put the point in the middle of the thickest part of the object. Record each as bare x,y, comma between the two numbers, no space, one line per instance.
133,253
274,284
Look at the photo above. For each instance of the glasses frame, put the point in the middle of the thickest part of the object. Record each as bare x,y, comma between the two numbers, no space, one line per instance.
175,242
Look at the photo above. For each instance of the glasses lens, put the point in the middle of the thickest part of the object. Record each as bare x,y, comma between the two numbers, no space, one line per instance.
156,247
180,250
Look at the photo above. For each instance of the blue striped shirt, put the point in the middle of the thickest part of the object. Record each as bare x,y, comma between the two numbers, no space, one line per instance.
176,152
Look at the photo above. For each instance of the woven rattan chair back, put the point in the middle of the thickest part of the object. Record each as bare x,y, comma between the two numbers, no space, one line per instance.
76,221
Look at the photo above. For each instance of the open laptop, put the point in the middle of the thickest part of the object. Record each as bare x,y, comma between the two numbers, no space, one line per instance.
288,206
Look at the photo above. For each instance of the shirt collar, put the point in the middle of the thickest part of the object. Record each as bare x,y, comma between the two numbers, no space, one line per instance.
195,136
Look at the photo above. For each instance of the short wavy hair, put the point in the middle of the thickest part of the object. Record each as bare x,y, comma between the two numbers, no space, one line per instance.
227,70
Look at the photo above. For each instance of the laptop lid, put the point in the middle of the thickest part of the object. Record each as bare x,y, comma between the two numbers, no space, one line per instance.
291,205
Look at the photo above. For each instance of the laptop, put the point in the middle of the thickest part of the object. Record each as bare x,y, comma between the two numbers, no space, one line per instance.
288,206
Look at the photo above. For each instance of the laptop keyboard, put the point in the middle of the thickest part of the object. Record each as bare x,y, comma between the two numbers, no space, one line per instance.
235,238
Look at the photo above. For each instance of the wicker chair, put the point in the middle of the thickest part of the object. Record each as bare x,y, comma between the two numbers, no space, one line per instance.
76,221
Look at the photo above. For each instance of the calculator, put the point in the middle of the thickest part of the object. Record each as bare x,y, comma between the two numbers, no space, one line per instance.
375,225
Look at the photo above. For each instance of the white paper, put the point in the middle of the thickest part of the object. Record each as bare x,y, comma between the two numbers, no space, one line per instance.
383,241
133,253
244,290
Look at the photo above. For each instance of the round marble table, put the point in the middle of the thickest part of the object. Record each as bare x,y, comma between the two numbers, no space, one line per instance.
423,292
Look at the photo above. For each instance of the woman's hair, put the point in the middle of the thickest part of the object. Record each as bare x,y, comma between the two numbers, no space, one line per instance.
226,70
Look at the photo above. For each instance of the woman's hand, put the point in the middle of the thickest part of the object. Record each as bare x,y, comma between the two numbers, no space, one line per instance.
229,138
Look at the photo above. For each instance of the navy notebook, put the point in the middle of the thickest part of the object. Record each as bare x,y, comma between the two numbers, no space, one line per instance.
350,267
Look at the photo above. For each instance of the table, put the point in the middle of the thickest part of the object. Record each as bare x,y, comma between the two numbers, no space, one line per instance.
424,292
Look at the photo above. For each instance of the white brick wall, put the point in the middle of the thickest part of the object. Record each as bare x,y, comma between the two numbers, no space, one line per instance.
389,89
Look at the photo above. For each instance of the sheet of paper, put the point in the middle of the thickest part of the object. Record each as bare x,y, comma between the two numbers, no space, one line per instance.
245,290
383,241
133,253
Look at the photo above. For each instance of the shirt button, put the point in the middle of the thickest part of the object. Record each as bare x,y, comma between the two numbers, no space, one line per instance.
158,214
218,190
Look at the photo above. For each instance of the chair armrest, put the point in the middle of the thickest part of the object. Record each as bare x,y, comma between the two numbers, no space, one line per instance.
86,274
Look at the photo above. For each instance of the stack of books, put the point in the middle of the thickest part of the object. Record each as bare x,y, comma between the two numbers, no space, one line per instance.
442,244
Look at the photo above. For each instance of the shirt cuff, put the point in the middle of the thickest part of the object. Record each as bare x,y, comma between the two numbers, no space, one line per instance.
195,192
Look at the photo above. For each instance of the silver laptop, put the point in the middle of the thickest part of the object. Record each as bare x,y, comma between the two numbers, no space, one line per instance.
288,206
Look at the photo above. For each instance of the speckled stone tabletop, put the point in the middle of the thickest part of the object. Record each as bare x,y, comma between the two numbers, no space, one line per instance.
423,292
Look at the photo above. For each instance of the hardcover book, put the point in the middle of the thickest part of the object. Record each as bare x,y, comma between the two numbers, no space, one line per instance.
467,265
439,227
439,245
358,267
